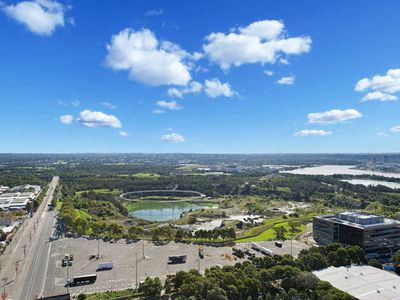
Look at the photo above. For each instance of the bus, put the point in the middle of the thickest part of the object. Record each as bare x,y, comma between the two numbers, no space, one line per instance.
83,279
177,259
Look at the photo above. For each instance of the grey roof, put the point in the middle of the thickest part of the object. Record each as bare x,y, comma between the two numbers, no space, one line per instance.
363,282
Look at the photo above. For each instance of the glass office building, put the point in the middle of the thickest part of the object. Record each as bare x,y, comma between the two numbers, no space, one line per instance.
378,236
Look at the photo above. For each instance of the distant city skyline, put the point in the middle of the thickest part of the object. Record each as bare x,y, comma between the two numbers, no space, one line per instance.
199,77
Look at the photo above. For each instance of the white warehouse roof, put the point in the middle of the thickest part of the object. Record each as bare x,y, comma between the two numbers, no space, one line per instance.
363,282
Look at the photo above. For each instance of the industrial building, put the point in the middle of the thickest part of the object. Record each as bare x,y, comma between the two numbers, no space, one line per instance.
378,236
363,282
18,200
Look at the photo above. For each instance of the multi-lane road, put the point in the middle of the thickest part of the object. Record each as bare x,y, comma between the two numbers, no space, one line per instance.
24,265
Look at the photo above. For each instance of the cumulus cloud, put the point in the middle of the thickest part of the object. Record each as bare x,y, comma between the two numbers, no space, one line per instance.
123,133
193,87
333,116
171,105
388,83
395,129
260,42
41,17
312,132
147,60
95,119
288,80
214,88
378,96
173,137
66,119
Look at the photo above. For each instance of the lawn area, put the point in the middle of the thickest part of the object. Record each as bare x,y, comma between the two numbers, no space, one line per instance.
102,191
266,231
58,205
146,175
112,295
269,234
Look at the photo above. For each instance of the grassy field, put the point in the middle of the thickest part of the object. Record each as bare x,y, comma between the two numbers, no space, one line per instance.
140,205
58,205
266,231
102,191
269,234
112,295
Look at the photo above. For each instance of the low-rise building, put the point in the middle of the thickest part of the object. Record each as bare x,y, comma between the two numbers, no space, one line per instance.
378,236
363,282
16,200
3,188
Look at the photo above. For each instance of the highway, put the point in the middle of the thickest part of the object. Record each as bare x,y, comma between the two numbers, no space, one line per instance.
23,275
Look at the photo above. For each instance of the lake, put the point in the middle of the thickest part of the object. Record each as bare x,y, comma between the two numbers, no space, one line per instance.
161,210
338,170
368,182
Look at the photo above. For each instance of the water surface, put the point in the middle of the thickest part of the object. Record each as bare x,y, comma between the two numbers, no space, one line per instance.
162,210
338,170
368,182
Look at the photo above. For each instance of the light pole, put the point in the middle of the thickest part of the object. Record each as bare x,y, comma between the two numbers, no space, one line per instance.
98,248
136,279
68,277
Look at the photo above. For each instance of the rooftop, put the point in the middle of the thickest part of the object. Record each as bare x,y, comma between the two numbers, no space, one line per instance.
363,282
359,219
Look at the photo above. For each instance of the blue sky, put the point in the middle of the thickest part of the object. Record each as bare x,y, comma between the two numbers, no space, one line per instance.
205,76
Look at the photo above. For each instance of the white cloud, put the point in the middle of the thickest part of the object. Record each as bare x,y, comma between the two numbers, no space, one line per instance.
260,42
123,133
312,132
154,12
108,105
388,83
171,105
75,103
214,88
173,137
288,80
395,129
383,134
158,111
378,96
268,73
194,87
66,119
41,17
284,61
147,60
95,119
333,116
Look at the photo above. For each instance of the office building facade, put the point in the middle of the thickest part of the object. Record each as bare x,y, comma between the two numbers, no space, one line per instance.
378,236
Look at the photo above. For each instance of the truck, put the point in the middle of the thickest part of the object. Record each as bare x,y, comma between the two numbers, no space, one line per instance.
104,266
66,262
177,259
82,279
261,249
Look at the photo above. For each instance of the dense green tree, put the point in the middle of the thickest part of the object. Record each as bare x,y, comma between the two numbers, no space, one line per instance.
151,288
280,232
375,263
